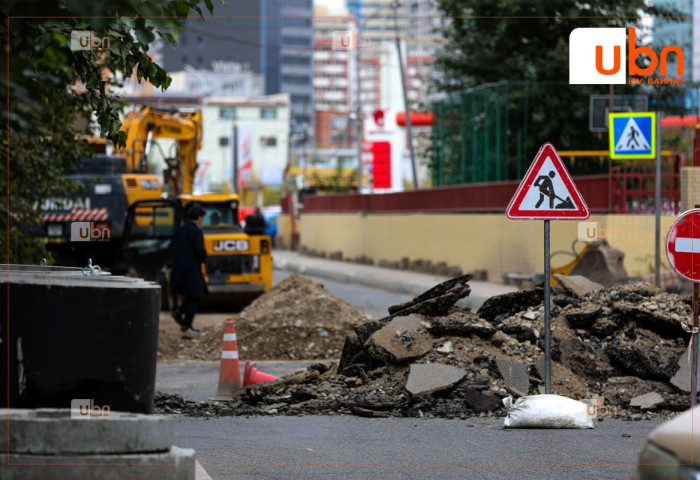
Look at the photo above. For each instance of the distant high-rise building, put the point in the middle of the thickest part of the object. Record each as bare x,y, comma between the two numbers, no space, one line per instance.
416,21
335,73
334,88
271,37
333,67
677,33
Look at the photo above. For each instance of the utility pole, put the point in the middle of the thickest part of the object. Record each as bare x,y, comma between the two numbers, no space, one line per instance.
358,99
405,99
235,158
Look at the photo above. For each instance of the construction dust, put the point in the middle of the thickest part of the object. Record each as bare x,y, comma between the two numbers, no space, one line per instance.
296,319
623,348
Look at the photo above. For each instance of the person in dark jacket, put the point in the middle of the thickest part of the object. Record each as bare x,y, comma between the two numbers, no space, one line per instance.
255,223
186,278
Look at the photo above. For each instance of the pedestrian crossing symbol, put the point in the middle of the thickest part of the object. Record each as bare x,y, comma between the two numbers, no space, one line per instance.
632,135
547,192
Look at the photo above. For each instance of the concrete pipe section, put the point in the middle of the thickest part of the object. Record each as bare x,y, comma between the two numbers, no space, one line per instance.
52,444
77,334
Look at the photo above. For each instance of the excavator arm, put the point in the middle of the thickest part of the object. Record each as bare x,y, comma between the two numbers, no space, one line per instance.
148,123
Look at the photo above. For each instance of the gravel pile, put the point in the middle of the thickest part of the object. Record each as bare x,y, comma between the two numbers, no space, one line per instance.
296,319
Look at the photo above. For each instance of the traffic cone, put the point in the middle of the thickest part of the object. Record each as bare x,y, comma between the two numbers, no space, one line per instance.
252,375
229,369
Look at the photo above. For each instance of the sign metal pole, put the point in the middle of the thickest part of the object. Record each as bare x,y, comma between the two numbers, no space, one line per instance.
547,330
657,205
694,339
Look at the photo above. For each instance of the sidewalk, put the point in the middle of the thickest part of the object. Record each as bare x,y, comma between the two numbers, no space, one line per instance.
399,281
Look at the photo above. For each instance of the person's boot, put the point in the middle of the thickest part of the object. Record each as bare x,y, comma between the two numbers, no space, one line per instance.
177,316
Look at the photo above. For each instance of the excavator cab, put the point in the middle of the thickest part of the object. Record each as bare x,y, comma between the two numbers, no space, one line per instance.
149,237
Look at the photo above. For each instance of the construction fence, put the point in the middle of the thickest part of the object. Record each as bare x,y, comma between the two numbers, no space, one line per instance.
492,132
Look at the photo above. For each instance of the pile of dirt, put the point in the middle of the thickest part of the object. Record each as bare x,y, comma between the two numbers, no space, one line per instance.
432,358
296,319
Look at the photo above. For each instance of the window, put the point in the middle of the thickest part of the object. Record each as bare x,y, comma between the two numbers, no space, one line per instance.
231,87
223,141
227,113
297,41
296,60
268,112
301,99
339,122
296,79
268,141
296,22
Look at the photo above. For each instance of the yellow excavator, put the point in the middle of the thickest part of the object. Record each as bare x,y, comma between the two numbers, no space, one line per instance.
136,215
239,264
147,124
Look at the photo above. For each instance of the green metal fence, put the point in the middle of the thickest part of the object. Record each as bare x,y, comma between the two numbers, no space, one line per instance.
492,132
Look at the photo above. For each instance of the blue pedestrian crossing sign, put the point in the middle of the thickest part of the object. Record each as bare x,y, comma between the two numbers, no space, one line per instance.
632,135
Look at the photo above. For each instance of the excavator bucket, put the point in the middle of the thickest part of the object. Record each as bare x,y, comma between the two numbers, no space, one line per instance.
602,264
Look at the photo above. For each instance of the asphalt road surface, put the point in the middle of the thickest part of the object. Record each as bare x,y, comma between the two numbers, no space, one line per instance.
316,447
373,301
344,447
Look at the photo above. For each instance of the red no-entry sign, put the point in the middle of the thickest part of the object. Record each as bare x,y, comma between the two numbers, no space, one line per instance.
683,245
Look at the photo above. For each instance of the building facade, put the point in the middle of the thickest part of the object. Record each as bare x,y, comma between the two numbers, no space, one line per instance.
269,37
416,21
250,133
334,86
696,41
226,78
679,33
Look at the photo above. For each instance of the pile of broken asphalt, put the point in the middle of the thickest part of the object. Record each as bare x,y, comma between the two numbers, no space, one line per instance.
625,345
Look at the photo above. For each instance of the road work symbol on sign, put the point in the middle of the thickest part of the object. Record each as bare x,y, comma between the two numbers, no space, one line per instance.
632,135
547,191
683,245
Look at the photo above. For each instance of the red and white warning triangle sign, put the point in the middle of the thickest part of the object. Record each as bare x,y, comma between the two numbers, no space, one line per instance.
548,192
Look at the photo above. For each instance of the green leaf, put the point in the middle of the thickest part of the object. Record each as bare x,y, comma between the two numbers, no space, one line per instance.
144,35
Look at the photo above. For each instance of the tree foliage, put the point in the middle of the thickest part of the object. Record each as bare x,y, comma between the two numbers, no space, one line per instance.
55,92
489,41
493,40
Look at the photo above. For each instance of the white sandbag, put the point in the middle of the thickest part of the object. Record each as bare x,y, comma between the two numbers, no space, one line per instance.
547,411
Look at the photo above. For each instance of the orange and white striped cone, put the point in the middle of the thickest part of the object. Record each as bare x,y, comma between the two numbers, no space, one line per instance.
229,369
